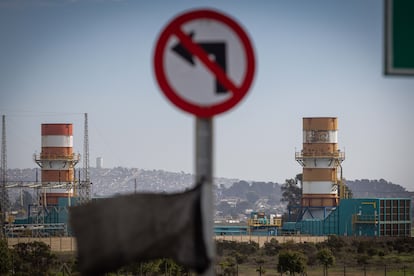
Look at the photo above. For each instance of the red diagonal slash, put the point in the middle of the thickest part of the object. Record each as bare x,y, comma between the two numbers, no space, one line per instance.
237,90
203,56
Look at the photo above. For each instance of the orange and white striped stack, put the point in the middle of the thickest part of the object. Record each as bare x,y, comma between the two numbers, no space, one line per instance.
57,161
321,159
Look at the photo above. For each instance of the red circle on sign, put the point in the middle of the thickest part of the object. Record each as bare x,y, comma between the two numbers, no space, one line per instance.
238,91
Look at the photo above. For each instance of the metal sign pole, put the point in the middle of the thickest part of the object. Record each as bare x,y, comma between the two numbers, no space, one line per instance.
237,82
204,170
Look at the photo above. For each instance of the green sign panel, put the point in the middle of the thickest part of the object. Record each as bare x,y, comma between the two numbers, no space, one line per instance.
399,37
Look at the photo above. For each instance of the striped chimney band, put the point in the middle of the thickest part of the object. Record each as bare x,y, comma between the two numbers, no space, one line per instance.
320,160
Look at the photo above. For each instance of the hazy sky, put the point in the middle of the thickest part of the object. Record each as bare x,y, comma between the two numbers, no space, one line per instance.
62,58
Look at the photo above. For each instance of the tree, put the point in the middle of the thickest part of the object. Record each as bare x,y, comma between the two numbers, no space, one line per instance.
33,258
272,247
348,191
153,267
362,259
228,266
5,258
260,269
240,258
335,243
292,194
252,196
238,188
292,262
326,258
169,267
310,250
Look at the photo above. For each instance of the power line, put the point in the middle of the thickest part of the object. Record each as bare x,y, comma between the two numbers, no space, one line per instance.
31,113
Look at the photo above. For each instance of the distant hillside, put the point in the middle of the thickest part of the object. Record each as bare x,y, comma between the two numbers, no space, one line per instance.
377,188
121,180
248,190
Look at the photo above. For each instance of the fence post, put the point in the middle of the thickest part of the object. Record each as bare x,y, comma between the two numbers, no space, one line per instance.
385,270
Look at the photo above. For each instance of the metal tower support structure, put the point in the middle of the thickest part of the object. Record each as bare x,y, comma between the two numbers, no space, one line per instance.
85,185
42,222
4,198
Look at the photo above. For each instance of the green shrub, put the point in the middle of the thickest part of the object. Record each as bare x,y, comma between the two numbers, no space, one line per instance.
292,262
362,259
272,248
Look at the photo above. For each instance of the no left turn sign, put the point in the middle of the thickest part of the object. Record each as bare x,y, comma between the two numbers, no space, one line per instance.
204,62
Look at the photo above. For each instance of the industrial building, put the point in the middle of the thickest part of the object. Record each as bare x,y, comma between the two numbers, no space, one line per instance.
60,186
379,217
324,209
259,224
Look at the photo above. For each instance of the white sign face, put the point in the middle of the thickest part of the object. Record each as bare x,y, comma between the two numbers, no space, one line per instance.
204,62
195,82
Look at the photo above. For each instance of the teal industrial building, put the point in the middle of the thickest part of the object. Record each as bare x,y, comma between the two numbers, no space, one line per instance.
368,217
325,205
379,217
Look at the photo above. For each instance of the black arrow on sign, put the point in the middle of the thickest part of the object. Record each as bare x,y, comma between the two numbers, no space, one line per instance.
218,49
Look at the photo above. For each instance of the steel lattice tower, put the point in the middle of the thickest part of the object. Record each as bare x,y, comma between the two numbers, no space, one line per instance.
85,185
4,204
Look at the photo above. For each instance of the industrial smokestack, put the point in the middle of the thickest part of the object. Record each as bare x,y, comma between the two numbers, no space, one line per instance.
57,162
321,160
